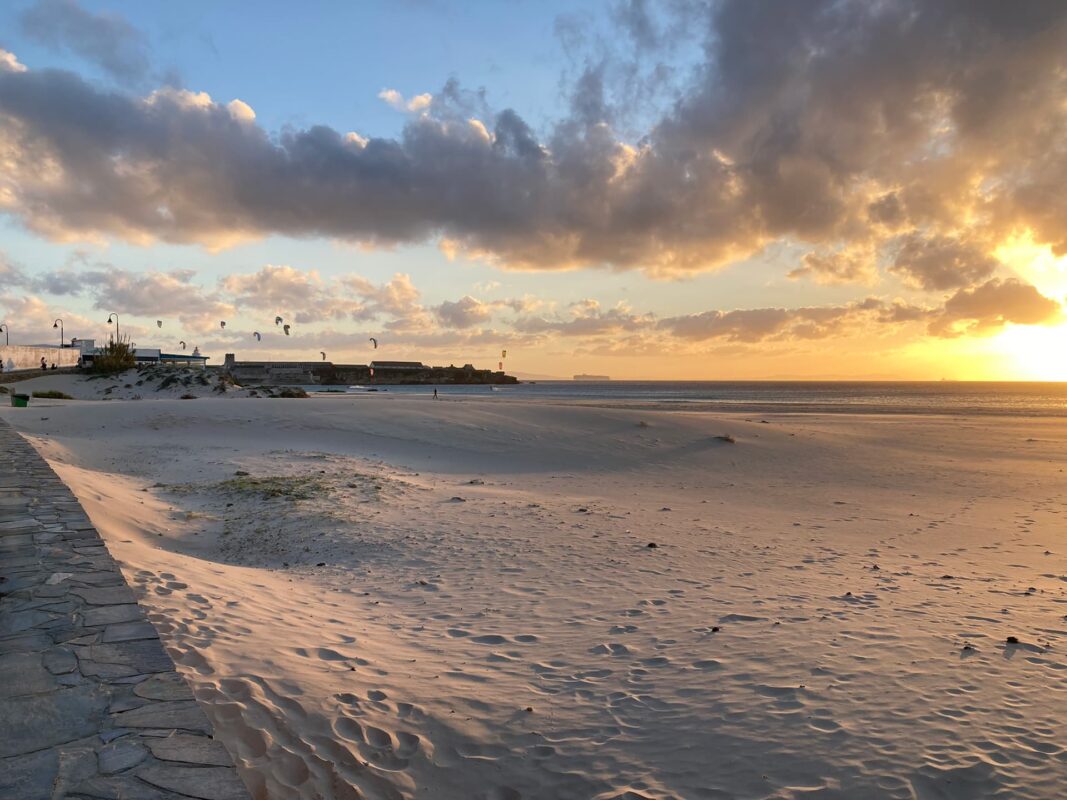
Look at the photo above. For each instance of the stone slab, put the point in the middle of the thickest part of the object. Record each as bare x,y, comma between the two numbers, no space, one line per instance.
36,721
191,750
204,783
86,688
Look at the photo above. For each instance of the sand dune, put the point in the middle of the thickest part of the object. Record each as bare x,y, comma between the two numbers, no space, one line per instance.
404,598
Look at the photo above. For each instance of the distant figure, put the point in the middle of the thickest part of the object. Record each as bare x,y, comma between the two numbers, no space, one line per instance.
54,366
44,364
435,394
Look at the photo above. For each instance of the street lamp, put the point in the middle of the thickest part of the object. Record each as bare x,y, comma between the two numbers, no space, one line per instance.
59,324
7,333
116,316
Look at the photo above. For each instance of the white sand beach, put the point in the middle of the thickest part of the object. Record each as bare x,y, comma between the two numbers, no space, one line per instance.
390,597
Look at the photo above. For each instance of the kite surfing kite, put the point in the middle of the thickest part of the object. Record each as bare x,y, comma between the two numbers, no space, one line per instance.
159,323
323,354
372,339
277,320
256,334
285,328
182,344
222,324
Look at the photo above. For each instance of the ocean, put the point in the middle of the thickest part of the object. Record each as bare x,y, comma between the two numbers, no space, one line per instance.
873,397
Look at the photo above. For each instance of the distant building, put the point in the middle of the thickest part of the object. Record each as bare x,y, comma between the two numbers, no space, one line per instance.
142,355
193,359
398,365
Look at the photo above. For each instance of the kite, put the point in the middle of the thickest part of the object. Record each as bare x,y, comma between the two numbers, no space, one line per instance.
256,334
286,328
323,355
277,320
372,339
222,324
159,323
182,344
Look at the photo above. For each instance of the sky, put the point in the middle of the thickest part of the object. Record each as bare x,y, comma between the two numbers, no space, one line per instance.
660,190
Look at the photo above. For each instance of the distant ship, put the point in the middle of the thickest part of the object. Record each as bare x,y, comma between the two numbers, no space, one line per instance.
591,378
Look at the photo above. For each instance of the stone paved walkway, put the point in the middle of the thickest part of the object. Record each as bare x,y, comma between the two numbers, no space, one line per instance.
90,703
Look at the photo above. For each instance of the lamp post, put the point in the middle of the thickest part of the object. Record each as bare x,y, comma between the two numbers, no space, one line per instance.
116,316
59,324
7,333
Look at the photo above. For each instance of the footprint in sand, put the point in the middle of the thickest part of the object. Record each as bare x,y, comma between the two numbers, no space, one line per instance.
610,649
489,639
708,665
326,654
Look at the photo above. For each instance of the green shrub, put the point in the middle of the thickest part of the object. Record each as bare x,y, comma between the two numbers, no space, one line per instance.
52,394
117,357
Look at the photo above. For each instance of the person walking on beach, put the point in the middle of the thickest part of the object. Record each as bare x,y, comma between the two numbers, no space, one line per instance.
435,394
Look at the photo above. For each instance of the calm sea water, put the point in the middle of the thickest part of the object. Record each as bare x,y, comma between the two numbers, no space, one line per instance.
943,397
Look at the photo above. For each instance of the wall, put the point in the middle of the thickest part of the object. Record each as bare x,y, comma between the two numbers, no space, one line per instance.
325,373
29,357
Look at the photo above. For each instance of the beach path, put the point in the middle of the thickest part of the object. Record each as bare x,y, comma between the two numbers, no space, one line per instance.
90,703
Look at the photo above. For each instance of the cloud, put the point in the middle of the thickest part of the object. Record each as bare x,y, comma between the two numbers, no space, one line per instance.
755,325
30,319
942,262
145,294
419,102
470,311
294,294
845,265
151,293
8,62
393,310
850,122
304,297
106,40
587,318
11,275
463,313
988,308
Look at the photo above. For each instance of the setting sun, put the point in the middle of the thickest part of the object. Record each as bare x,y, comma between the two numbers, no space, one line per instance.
1038,353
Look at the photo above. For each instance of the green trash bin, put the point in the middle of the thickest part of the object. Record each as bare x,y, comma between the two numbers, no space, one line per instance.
20,400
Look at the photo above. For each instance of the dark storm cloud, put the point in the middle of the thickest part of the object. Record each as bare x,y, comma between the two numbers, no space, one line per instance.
108,41
840,124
